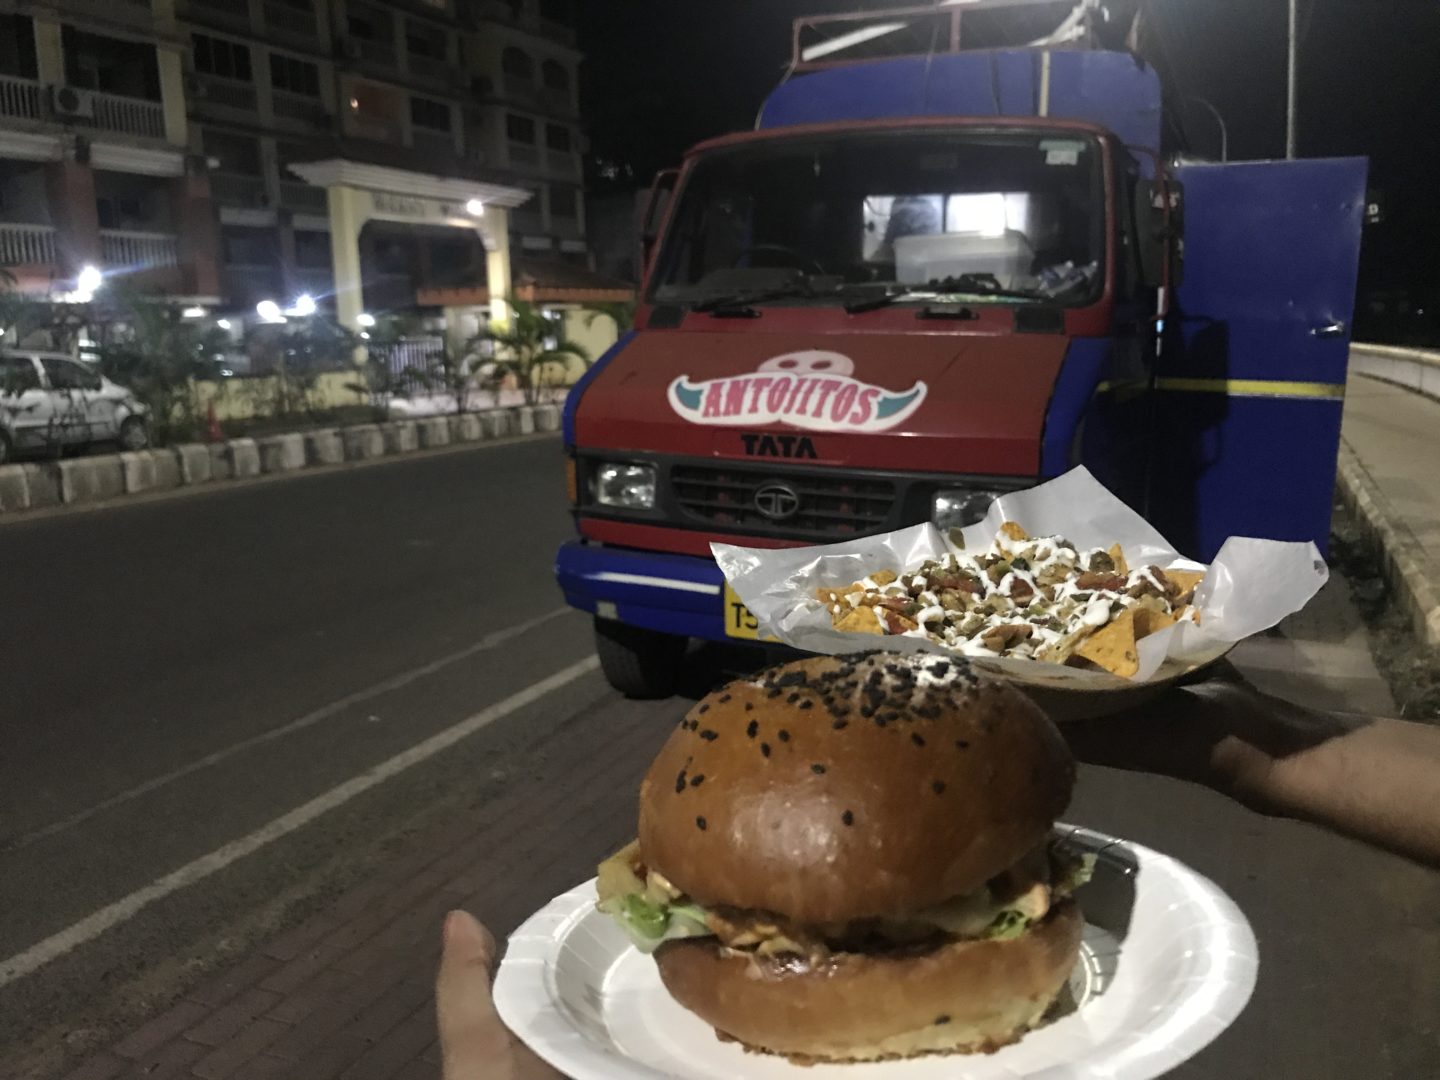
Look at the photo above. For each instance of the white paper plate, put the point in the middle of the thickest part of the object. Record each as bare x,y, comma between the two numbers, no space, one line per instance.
1168,962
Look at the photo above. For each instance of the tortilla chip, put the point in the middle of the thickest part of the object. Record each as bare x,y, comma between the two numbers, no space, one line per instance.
1148,620
1118,558
883,577
1013,531
860,620
1113,646
1184,583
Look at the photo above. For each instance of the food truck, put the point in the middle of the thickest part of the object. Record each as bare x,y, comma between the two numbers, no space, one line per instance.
925,280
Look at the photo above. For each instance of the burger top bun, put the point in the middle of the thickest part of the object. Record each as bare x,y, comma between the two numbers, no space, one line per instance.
839,788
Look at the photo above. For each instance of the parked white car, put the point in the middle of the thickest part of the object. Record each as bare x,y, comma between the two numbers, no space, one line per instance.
48,400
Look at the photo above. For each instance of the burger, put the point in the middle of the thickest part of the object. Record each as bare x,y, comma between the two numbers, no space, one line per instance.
852,859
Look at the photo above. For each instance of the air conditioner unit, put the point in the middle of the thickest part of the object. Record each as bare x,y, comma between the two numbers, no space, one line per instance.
67,101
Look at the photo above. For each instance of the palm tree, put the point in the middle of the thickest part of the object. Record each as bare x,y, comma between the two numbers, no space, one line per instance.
526,345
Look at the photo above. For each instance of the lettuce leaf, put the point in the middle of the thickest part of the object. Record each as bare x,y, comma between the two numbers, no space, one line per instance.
649,924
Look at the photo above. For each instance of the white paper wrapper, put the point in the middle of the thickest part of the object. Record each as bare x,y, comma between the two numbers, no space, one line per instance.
1251,585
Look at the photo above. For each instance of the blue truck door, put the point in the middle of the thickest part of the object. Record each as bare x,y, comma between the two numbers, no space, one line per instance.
1251,380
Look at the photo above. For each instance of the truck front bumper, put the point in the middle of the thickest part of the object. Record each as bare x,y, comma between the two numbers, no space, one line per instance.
675,594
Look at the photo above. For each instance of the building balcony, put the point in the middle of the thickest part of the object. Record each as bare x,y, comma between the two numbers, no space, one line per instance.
26,245
233,189
109,112
224,14
22,99
523,156
308,112
214,93
379,54
284,19
124,249
302,198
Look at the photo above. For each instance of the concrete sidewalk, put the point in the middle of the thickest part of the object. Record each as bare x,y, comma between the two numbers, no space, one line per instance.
1390,478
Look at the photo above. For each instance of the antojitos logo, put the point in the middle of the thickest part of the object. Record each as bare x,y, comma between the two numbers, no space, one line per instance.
814,390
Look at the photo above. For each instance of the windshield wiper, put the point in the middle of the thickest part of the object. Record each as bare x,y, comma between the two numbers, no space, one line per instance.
980,285
738,304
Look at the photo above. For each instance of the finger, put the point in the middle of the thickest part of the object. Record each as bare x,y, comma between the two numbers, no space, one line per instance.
471,1033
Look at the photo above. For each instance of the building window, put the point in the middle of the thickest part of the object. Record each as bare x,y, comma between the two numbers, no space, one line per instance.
17,47
250,247
294,76
216,56
425,40
312,249
520,129
367,24
516,64
564,203
557,137
236,154
555,75
432,115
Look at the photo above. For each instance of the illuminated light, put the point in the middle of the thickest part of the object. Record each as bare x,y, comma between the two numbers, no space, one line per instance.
90,280
982,214
223,324
269,311
365,319
354,103
475,208
304,306
193,313
364,335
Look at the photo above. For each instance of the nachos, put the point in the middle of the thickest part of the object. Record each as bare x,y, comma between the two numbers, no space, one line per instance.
1036,597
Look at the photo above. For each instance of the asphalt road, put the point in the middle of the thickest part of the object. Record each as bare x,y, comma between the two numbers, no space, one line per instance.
186,684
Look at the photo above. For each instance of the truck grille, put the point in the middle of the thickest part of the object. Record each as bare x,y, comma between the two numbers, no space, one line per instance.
826,506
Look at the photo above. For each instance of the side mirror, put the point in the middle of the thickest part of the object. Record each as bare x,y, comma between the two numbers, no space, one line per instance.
1160,231
653,216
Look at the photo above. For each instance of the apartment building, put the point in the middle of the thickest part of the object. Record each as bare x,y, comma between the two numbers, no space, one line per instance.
203,138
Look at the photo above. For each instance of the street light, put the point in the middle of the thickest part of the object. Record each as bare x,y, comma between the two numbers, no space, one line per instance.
223,324
475,208
269,311
193,313
1224,131
365,319
304,306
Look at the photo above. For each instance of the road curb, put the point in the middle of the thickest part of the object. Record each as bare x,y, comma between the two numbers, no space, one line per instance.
1414,369
1403,561
86,482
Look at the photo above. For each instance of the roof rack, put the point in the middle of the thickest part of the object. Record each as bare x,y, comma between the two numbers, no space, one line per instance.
952,26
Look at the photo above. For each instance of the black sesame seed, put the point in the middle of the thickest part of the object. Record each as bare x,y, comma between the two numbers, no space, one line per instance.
724,698
784,735
749,706
942,1019
791,699
817,769
917,738
940,670
752,728
792,678
961,744
700,823
881,721
848,818
709,736
807,704
775,692
704,707
697,779
680,782
938,787
765,748
838,724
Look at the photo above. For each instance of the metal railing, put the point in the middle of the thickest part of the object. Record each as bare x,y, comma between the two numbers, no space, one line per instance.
26,245
127,115
414,363
229,13
523,156
303,198
234,189
373,52
137,250
307,110
226,93
20,98
291,20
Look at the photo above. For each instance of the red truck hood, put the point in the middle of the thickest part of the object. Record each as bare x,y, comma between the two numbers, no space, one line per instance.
913,402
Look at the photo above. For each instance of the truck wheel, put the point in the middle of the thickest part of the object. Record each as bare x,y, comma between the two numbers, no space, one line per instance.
639,663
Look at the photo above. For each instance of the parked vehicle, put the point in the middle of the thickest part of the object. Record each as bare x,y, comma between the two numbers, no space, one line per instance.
925,280
49,401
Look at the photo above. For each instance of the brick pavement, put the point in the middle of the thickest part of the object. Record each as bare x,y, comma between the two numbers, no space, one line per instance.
348,994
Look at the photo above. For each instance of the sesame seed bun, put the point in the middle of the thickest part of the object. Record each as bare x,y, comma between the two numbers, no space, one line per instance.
840,788
964,996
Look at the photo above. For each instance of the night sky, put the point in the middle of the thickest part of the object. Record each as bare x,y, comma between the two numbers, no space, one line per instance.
663,74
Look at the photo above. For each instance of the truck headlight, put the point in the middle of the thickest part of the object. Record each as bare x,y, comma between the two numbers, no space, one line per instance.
957,507
631,487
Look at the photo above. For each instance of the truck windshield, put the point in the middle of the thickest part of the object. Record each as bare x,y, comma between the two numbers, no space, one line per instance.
1005,216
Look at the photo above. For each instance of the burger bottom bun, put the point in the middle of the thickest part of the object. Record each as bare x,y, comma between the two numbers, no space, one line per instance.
962,997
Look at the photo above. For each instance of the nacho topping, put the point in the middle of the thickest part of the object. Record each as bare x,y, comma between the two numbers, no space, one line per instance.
1033,597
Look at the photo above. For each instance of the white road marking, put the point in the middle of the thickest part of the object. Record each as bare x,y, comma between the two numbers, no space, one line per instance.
95,924
656,582
405,678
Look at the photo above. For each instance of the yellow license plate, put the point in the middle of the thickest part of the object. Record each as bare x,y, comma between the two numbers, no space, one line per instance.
739,623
